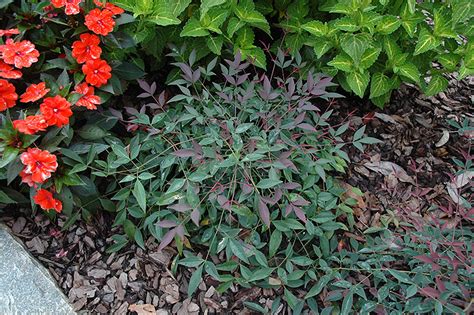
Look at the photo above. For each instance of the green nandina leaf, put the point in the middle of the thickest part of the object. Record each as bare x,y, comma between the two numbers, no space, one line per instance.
388,24
437,84
316,28
342,62
318,287
400,276
379,85
194,281
275,241
215,44
369,57
358,82
193,28
268,183
347,303
140,194
426,41
409,71
355,45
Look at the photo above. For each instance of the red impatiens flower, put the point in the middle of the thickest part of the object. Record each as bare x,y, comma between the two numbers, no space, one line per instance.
39,164
72,6
88,99
87,48
46,201
7,71
9,32
8,96
56,110
34,92
21,54
100,21
97,72
31,124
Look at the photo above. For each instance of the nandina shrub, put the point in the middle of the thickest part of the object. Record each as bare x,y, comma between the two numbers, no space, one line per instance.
56,66
238,165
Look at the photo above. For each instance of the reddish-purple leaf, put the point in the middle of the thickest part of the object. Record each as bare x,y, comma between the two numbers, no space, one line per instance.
166,224
306,126
290,186
180,207
167,239
184,153
300,214
429,292
264,212
195,216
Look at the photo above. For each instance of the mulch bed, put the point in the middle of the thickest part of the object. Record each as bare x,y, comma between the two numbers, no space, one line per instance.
411,128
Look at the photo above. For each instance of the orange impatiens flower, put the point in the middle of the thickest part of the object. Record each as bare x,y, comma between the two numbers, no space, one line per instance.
39,164
87,48
100,21
88,99
72,6
46,201
97,72
109,6
20,54
34,92
56,110
9,32
8,96
31,124
8,72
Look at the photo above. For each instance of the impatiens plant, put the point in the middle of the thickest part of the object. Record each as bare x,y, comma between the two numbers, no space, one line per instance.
22,155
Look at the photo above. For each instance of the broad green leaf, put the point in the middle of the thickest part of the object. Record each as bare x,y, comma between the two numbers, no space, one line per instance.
400,276
391,48
194,281
140,194
193,28
462,10
214,19
248,14
437,84
164,12
215,44
369,57
255,55
426,41
274,244
388,24
245,39
234,25
316,28
342,62
321,47
411,5
318,287
409,71
5,199
207,4
346,24
238,250
355,45
358,82
464,72
449,61
443,26
347,303
379,85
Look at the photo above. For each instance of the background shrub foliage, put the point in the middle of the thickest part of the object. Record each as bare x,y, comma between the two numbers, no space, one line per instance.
235,161
370,46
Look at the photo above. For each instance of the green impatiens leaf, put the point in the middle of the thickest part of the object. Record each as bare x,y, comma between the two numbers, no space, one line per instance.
437,84
214,19
379,85
215,44
355,45
193,28
246,12
234,25
369,57
316,28
321,47
409,71
388,24
207,4
342,62
449,61
358,82
426,41
346,24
